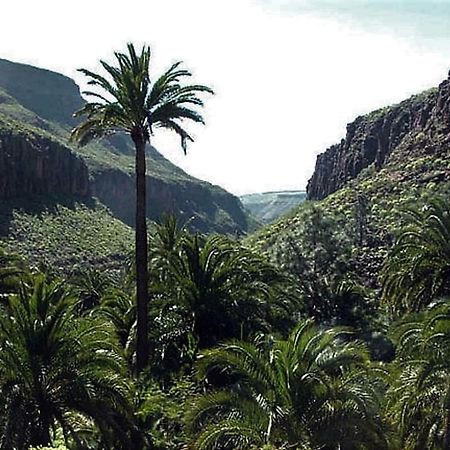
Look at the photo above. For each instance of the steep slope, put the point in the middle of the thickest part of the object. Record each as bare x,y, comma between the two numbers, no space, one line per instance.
49,95
391,159
33,164
269,206
375,139
47,213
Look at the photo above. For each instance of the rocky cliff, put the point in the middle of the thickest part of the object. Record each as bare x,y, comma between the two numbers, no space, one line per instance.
31,164
391,160
416,126
204,206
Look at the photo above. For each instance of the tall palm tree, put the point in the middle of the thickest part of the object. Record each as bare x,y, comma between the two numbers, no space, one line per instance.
417,270
127,101
309,391
419,398
58,369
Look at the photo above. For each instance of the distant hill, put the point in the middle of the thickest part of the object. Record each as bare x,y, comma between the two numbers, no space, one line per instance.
42,174
269,206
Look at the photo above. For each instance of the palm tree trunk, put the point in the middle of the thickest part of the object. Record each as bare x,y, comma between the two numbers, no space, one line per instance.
141,255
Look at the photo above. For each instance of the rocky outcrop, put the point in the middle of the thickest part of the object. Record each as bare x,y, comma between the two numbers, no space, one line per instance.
419,124
35,165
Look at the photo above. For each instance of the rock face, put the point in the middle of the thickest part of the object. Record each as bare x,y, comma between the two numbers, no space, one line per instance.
33,165
200,203
393,160
419,124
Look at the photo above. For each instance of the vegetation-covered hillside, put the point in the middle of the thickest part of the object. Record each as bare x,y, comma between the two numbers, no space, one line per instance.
243,355
328,329
37,162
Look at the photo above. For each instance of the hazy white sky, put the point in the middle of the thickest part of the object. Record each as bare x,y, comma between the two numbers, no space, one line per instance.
289,74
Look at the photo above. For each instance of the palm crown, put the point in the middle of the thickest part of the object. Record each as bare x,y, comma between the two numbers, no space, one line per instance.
309,391
417,271
418,398
57,368
131,103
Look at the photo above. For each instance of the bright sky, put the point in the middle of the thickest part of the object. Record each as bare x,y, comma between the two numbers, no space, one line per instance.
289,74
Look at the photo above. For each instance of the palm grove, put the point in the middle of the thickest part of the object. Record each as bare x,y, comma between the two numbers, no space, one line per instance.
204,343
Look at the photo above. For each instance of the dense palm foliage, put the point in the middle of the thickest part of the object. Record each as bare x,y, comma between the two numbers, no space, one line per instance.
235,362
419,398
208,289
227,290
248,351
309,391
418,268
58,369
126,100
